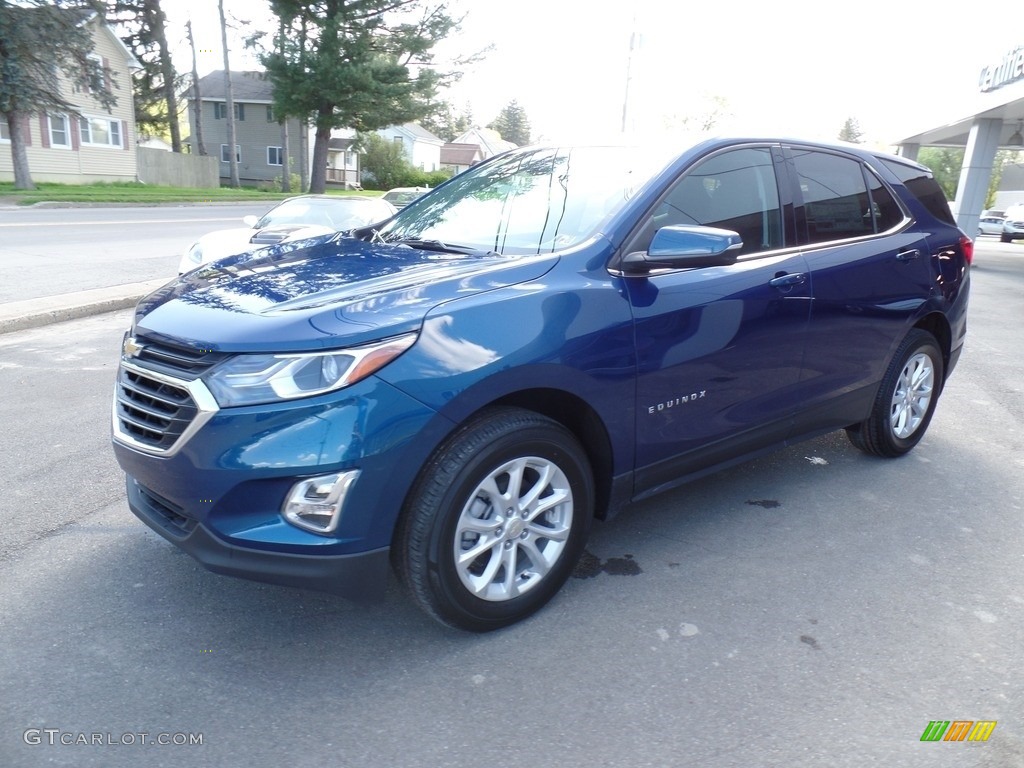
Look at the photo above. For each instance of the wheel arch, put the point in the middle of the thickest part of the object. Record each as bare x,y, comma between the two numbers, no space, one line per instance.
576,415
938,326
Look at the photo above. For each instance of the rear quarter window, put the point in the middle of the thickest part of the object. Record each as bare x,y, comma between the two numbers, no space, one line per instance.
924,187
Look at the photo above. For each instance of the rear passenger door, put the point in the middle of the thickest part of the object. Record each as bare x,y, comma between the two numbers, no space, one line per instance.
870,273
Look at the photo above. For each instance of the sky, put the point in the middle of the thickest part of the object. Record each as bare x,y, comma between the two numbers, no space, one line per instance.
795,68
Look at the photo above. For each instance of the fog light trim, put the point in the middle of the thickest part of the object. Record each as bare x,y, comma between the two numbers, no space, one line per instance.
315,503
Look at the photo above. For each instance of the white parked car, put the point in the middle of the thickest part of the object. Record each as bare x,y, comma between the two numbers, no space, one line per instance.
294,219
990,225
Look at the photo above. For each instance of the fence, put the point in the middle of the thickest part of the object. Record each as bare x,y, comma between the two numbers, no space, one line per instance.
172,169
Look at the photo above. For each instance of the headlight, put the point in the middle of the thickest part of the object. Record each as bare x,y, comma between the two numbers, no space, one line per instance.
253,379
195,253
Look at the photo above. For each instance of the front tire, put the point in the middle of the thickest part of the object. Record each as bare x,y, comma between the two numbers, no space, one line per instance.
905,401
496,521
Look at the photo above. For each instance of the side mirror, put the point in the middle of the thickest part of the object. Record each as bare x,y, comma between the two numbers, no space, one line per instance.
683,247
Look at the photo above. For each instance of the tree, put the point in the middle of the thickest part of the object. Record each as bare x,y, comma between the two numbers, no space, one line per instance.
44,53
143,29
850,132
512,124
229,106
362,64
444,123
945,163
382,159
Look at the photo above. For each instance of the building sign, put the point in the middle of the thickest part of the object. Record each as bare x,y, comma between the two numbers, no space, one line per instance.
1007,70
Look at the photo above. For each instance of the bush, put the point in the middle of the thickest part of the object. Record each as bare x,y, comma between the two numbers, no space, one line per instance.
295,181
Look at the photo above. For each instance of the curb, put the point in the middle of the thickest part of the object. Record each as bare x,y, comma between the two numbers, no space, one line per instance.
34,313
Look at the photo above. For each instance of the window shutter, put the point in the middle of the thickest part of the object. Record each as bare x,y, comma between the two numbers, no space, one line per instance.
124,134
44,130
106,73
26,128
75,127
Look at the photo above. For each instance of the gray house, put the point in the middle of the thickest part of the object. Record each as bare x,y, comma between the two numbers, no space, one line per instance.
261,139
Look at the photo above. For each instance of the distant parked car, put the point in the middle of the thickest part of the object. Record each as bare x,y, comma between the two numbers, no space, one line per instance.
1013,224
990,225
296,218
402,196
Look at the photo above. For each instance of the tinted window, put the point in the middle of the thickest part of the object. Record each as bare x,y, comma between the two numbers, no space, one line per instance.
734,190
924,187
835,196
886,210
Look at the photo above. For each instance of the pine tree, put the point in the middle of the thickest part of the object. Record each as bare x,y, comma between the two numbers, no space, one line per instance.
512,124
362,64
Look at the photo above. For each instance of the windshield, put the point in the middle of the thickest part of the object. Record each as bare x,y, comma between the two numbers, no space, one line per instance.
333,214
528,201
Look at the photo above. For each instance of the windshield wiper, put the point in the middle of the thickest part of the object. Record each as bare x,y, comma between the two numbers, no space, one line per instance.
440,247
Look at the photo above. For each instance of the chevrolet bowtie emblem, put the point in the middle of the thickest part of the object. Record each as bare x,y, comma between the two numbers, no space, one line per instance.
131,347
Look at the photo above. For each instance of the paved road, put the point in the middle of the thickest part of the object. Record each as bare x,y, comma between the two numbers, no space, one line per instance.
47,251
814,608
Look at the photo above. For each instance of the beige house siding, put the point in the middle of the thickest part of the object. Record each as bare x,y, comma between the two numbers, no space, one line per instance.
111,155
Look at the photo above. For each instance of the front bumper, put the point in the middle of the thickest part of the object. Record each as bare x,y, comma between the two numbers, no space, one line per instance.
360,577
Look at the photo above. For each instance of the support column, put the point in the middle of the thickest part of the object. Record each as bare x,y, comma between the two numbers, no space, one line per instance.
909,151
976,173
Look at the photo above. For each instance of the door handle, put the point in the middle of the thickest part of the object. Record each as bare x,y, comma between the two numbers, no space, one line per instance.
908,255
788,281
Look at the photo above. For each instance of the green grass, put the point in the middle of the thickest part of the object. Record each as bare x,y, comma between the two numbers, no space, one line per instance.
134,192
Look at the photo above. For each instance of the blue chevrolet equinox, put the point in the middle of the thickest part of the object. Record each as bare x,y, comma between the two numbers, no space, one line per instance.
458,391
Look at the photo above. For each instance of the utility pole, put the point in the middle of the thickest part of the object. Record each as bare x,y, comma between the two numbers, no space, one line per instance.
629,76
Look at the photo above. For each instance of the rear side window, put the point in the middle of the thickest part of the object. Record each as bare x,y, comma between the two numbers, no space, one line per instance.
924,187
842,199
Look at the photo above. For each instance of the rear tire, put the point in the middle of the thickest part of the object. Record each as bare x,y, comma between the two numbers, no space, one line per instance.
496,521
905,401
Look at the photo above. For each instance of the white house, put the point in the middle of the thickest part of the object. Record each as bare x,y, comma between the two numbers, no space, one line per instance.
421,147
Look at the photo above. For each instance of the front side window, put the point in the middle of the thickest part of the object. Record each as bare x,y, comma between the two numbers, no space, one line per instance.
60,131
837,201
100,132
734,190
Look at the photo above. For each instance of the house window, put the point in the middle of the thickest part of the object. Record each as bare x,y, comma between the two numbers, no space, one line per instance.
5,132
100,132
226,158
398,140
270,114
60,131
220,110
274,156
95,78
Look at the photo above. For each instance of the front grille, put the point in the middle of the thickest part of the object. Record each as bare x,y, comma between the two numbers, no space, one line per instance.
182,362
150,410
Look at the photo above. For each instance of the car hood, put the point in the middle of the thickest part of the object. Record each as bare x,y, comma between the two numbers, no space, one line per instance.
323,292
